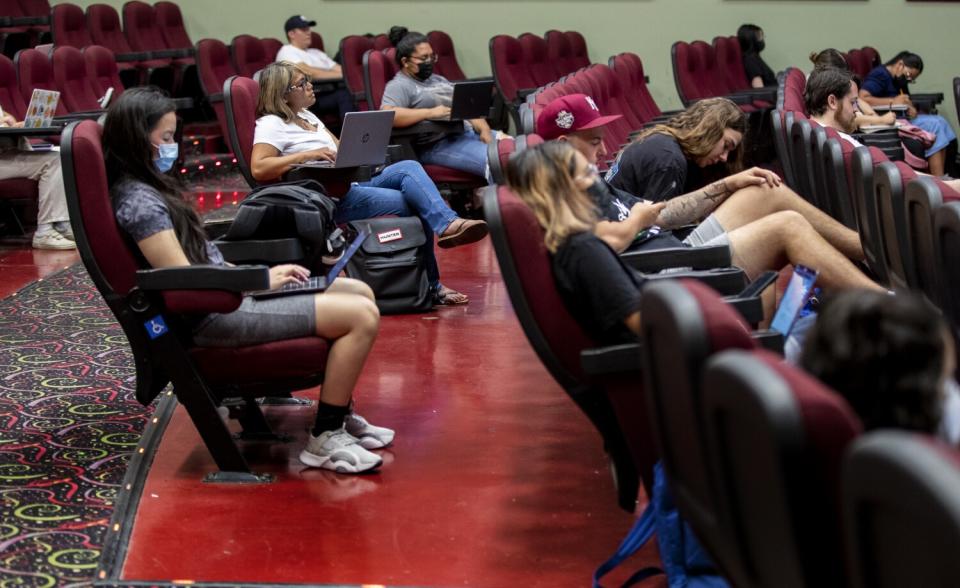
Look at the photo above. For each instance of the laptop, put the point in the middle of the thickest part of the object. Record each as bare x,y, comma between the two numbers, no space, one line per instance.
471,100
315,283
794,297
43,105
363,140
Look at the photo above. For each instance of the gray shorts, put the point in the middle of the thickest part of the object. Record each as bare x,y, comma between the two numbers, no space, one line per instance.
709,232
259,321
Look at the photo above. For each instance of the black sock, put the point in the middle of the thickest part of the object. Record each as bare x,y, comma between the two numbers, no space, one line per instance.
329,417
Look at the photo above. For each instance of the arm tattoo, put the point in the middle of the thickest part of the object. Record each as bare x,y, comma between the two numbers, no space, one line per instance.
692,207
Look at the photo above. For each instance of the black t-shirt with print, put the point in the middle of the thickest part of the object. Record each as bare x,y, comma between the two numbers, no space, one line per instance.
598,289
654,168
614,205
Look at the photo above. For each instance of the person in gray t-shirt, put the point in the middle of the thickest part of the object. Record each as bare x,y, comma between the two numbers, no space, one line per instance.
417,94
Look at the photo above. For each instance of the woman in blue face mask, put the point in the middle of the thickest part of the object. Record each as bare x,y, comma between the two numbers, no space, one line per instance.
139,147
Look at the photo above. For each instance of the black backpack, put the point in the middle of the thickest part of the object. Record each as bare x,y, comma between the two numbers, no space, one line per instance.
290,209
392,263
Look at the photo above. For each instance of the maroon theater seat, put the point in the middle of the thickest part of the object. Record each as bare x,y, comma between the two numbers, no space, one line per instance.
559,53
858,62
272,46
201,376
170,21
144,32
447,64
511,73
39,9
102,70
16,36
579,56
923,197
382,42
498,154
352,49
775,439
629,68
213,68
730,62
240,102
248,55
946,238
34,71
901,511
70,26
687,73
10,97
535,56
70,76
795,83
871,57
316,41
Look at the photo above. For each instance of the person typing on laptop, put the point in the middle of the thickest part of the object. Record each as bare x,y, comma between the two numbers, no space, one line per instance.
53,220
288,134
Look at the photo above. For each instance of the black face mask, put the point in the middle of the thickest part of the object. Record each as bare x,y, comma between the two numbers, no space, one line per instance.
901,82
761,44
424,71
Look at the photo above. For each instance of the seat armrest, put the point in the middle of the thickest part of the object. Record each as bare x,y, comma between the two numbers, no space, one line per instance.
268,251
324,175
479,79
168,54
714,256
765,94
751,309
31,132
931,97
136,56
184,103
78,115
739,98
769,339
215,97
614,359
429,126
205,277
21,21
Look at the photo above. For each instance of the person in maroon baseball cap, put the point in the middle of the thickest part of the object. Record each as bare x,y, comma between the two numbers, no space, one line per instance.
576,118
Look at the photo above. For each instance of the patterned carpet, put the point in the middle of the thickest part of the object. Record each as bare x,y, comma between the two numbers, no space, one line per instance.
68,425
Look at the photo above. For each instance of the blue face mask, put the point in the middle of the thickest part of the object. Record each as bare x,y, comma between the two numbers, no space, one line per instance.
167,154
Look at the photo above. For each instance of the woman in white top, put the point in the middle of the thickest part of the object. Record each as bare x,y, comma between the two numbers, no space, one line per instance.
287,134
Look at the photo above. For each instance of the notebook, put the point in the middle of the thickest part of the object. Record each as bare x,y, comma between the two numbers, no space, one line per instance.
43,105
363,140
316,283
794,297
471,100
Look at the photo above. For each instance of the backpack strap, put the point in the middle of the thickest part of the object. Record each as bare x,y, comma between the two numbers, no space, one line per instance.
639,534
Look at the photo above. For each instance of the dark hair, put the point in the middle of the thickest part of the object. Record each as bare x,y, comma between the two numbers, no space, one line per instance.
128,154
823,83
884,354
396,34
408,44
749,36
909,59
829,58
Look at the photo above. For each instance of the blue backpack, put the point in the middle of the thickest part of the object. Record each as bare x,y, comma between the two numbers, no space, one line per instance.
685,563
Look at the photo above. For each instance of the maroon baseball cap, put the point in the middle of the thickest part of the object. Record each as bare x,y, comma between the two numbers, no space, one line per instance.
573,112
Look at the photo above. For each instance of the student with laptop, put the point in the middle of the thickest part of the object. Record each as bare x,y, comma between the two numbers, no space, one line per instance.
53,220
139,148
288,134
417,94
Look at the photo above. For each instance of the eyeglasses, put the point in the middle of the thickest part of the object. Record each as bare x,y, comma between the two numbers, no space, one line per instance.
301,85
426,59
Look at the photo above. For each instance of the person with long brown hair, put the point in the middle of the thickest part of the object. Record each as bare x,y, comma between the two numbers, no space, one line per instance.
139,149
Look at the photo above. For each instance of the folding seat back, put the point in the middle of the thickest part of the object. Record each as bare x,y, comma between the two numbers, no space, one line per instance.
730,62
922,199
795,83
684,323
888,183
10,98
946,224
248,55
535,56
620,98
70,77
860,173
776,437
858,62
559,53
558,340
801,158
498,154
447,64
34,71
240,103
104,23
272,46
141,27
781,143
378,69
316,41
818,142
712,79
170,21
835,181
381,42
102,71
352,48
687,71
629,68
510,71
213,69
579,55
70,26
901,511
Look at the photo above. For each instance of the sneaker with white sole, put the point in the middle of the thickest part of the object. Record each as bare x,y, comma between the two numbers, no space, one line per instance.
369,436
52,240
339,451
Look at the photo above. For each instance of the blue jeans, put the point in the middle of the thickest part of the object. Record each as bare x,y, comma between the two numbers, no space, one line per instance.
401,189
464,152
939,126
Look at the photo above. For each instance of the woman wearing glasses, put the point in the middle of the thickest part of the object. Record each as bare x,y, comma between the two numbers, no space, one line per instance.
287,134
417,94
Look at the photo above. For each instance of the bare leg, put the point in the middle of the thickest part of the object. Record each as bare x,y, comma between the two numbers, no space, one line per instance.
937,163
351,286
786,237
756,202
350,322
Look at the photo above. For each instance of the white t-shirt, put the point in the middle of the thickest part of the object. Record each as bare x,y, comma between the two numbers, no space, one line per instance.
289,138
312,57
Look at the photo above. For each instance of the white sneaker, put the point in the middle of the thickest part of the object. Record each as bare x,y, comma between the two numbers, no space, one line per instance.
52,240
64,229
339,451
369,436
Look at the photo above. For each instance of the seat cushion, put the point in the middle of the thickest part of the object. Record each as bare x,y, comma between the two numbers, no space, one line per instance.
292,359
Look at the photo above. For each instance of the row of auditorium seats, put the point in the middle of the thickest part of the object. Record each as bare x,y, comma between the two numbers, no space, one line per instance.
23,24
702,70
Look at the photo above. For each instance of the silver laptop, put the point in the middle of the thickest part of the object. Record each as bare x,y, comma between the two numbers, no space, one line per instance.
43,105
363,140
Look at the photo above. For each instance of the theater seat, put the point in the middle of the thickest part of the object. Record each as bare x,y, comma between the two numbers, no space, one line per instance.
249,55
447,64
34,71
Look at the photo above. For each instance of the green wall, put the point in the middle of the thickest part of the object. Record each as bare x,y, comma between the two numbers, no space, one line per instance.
647,27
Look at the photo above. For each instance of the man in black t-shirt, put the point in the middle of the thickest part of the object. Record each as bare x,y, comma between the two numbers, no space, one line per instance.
770,242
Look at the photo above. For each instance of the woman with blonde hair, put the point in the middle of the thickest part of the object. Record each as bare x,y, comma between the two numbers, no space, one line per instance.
287,134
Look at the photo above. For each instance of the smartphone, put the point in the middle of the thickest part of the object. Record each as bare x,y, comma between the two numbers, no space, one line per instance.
794,297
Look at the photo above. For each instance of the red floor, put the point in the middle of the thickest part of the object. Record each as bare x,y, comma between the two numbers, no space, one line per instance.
21,264
495,478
